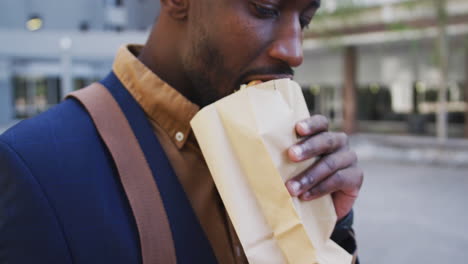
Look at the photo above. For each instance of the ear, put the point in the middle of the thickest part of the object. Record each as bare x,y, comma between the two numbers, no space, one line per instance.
177,9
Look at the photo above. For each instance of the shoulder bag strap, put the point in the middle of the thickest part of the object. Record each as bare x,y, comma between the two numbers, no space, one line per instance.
157,245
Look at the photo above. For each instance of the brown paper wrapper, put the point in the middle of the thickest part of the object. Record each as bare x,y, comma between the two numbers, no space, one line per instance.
244,138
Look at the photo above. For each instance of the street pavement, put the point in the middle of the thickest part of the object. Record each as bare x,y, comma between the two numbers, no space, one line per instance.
410,213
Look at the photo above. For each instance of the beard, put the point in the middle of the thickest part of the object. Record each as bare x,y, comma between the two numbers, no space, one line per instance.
204,66
210,76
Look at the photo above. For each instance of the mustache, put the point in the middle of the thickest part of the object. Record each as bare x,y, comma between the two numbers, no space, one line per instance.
270,70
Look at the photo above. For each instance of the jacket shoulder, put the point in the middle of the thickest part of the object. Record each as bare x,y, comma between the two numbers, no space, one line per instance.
56,164
66,121
22,197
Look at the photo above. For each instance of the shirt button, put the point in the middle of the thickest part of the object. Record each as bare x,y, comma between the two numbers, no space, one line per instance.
179,136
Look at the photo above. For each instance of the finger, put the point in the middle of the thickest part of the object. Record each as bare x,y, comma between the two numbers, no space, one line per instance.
343,203
312,125
322,169
323,143
348,181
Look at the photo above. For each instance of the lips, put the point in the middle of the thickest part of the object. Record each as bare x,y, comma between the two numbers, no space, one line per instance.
254,83
265,78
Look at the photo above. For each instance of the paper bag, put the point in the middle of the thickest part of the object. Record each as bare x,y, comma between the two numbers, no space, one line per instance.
244,138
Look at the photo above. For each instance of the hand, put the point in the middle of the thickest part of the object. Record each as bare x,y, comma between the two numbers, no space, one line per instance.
335,172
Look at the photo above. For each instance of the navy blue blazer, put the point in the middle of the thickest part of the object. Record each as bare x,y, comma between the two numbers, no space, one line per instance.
61,200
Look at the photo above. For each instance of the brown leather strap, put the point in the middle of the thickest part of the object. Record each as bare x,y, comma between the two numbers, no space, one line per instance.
157,245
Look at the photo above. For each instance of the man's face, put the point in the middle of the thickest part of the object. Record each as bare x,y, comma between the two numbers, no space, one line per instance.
232,42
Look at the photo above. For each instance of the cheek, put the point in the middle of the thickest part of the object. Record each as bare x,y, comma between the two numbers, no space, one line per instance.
242,40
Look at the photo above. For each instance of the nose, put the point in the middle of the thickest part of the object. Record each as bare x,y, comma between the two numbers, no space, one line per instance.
287,47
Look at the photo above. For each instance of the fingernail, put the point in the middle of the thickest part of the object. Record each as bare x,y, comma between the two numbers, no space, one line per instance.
297,151
295,187
304,127
310,195
306,195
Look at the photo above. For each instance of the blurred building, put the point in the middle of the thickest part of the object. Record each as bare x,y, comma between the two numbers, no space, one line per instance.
388,52
51,47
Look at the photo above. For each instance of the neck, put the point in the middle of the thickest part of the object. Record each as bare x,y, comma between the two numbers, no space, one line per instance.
161,54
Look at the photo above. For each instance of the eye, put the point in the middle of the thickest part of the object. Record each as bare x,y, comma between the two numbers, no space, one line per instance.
265,11
305,22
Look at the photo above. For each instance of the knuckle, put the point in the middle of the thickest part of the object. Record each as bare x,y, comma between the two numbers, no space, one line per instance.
344,138
329,139
307,180
357,178
339,178
324,121
308,146
331,163
321,189
353,156
361,177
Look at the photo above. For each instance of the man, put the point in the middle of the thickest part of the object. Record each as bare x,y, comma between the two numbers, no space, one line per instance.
60,197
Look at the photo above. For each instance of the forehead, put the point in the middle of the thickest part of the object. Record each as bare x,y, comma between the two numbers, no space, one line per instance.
207,10
302,3
314,4
307,3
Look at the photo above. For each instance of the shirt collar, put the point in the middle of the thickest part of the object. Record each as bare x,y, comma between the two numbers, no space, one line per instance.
162,104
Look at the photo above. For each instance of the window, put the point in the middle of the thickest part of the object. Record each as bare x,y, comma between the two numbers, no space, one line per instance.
33,95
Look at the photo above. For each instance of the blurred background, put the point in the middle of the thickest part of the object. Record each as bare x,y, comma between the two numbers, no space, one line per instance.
391,73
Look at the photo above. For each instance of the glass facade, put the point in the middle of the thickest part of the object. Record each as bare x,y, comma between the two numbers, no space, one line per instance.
33,95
